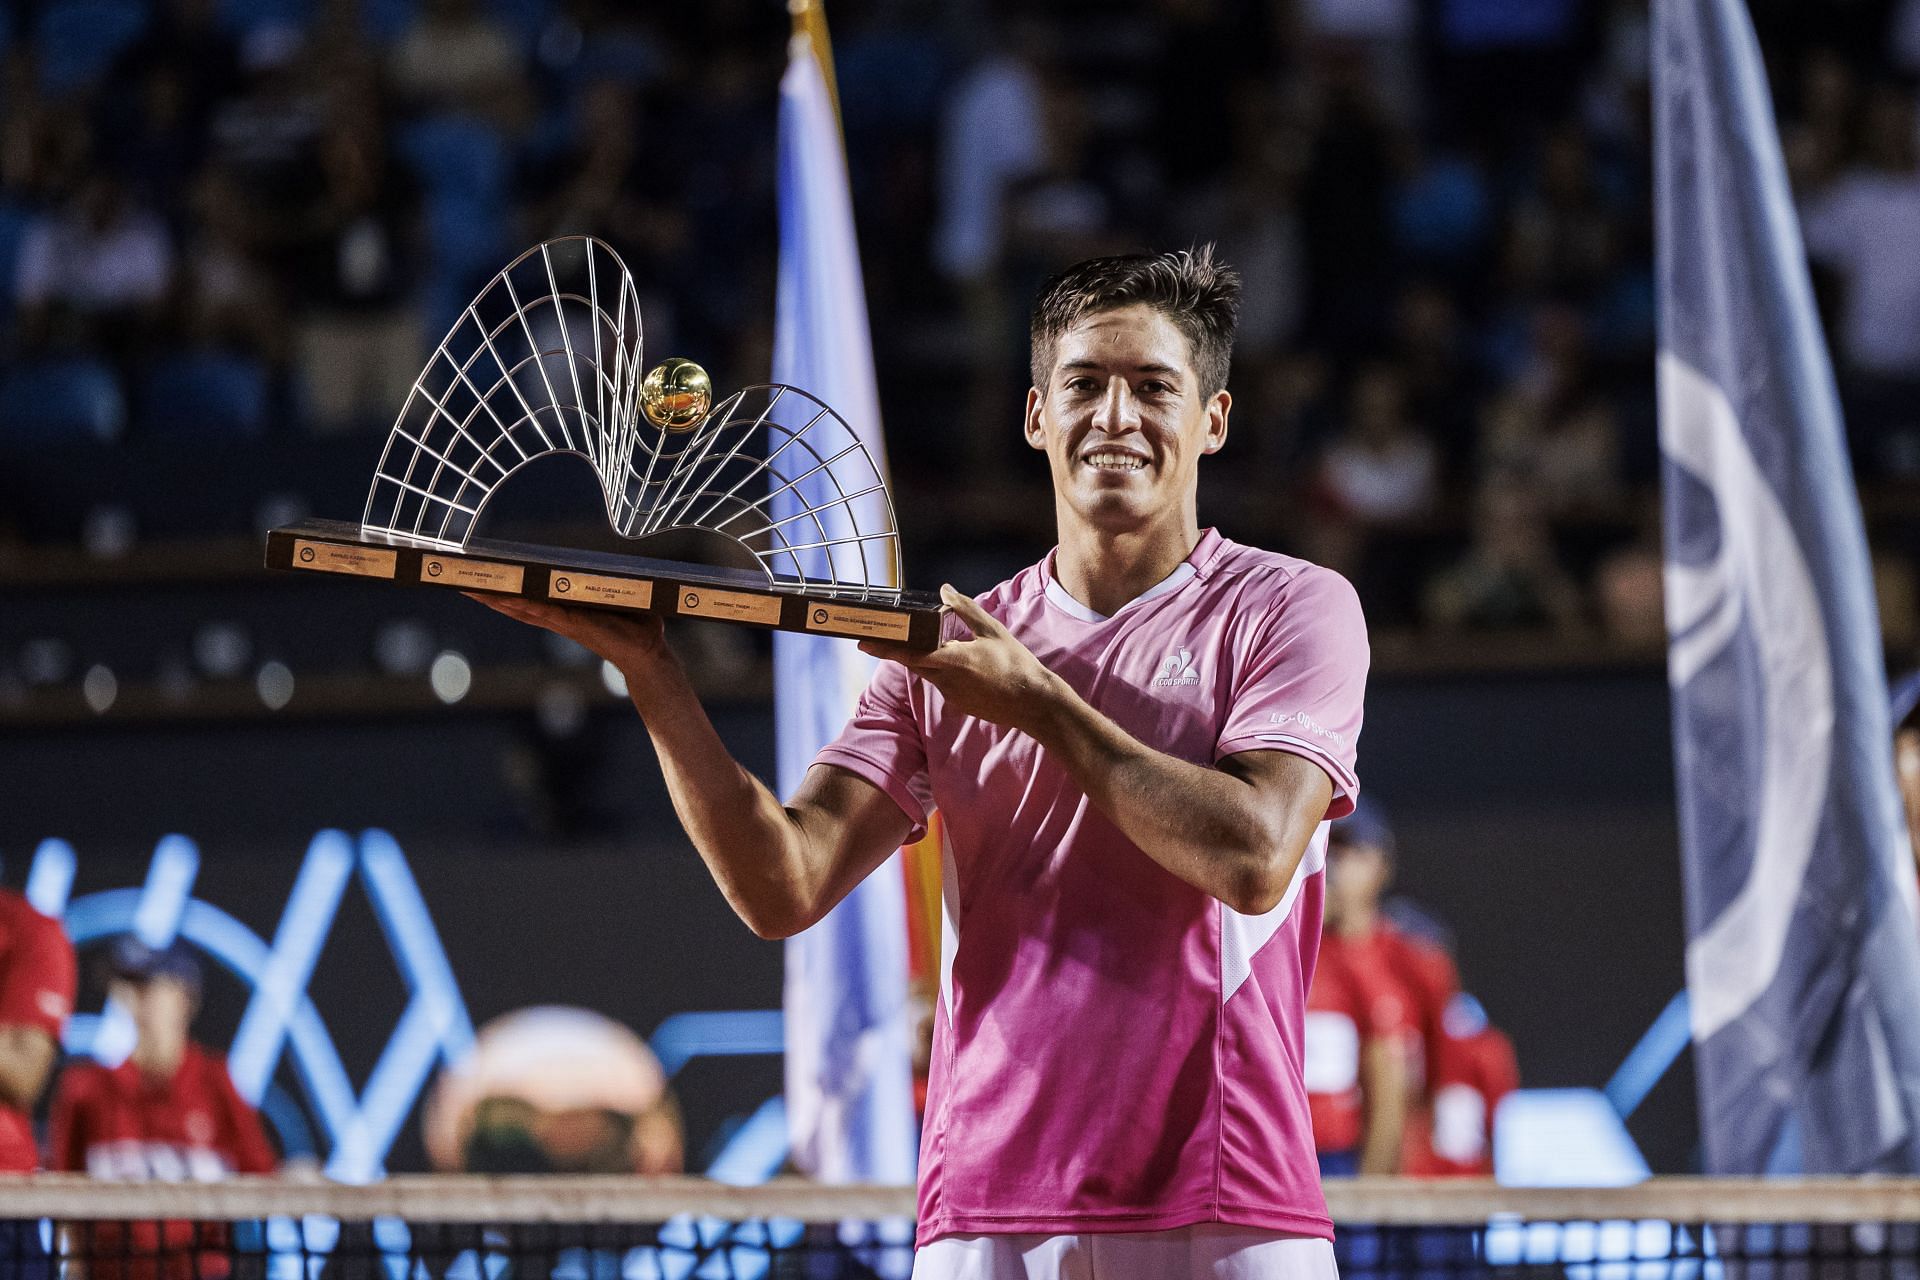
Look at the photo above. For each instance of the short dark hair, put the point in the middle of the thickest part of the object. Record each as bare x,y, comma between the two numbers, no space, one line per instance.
1199,295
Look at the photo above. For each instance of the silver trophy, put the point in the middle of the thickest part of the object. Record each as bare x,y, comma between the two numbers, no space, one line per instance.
547,359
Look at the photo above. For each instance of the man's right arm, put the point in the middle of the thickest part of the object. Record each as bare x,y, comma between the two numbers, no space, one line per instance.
26,1063
781,867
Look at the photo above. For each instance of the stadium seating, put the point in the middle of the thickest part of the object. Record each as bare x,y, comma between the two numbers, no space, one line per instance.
60,399
203,393
78,40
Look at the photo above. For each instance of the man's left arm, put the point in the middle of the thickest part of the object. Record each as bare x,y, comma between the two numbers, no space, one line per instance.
1235,830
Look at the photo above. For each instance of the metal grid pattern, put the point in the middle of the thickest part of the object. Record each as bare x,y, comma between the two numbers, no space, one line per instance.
548,359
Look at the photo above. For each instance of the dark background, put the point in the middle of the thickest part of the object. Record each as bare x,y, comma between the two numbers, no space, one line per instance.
1534,814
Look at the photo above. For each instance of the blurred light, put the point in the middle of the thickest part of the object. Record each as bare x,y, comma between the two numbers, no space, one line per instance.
562,710
99,688
45,660
222,649
174,678
277,509
274,683
107,533
403,647
451,677
612,677
1563,1138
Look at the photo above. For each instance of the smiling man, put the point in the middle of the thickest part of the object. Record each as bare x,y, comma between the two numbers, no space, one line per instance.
1136,752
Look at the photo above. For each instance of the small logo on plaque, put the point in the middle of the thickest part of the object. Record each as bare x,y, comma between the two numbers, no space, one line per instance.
603,589
332,557
733,606
482,575
846,620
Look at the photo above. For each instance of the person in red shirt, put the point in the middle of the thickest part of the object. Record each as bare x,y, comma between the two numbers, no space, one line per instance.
37,978
168,1113
1476,1068
1355,1065
1380,1044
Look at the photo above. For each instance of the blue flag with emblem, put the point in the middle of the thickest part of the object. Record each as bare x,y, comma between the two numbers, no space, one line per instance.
849,1073
1803,962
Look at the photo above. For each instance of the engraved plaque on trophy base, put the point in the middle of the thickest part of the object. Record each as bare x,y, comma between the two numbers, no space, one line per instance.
604,580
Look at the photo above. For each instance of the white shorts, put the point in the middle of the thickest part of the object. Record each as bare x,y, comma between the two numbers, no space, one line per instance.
1209,1251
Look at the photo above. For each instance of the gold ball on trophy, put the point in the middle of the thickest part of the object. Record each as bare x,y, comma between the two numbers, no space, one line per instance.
676,395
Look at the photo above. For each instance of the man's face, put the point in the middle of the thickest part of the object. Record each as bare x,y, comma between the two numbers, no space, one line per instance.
162,1009
1124,420
1357,877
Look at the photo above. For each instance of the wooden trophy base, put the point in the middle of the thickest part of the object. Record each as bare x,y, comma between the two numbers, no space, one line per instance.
603,580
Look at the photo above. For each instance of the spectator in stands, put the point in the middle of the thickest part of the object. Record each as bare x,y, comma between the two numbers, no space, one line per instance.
1382,470
1865,227
185,43
358,341
456,57
1510,576
1629,587
170,1111
94,271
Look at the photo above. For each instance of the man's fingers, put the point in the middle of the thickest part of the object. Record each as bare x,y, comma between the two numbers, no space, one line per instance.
978,620
886,651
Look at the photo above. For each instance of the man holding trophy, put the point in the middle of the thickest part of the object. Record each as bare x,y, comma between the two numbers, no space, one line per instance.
1136,749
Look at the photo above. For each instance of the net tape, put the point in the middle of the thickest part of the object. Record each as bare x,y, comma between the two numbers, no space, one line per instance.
667,1229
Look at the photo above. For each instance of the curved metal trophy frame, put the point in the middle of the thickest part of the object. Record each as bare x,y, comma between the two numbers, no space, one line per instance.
548,359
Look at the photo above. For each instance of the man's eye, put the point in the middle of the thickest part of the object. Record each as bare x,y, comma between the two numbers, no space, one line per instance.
1080,384
1154,388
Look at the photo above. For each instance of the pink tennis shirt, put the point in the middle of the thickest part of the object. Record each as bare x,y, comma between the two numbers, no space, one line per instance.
1115,1050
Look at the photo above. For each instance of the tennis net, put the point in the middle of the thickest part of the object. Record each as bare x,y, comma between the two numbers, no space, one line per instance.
532,1228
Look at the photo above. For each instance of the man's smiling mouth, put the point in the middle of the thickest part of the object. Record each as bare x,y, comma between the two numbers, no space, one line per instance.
1114,460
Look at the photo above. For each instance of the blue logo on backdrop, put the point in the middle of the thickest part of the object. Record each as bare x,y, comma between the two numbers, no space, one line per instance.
359,1127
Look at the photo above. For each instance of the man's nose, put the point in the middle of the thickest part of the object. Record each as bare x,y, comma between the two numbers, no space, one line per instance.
1118,412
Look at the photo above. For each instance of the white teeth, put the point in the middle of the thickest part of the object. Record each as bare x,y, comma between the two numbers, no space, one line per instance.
1110,461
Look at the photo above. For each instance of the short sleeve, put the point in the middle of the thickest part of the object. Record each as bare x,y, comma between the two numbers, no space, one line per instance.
883,743
1299,684
251,1151
38,980
66,1124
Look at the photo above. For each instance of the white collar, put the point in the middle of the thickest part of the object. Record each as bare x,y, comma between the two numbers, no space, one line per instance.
1058,595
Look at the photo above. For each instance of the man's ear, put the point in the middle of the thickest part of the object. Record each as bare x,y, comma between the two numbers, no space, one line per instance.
1032,428
1217,410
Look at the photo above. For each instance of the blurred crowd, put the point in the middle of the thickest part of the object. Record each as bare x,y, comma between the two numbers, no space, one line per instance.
254,217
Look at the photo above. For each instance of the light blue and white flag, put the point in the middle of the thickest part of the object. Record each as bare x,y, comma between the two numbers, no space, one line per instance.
849,1065
1803,962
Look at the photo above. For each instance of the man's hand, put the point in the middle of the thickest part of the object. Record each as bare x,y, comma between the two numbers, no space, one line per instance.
635,642
991,677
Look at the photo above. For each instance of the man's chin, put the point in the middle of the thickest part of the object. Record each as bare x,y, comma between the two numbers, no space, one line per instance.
1115,508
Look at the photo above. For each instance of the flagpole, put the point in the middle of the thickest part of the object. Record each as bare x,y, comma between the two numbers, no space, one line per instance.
810,20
